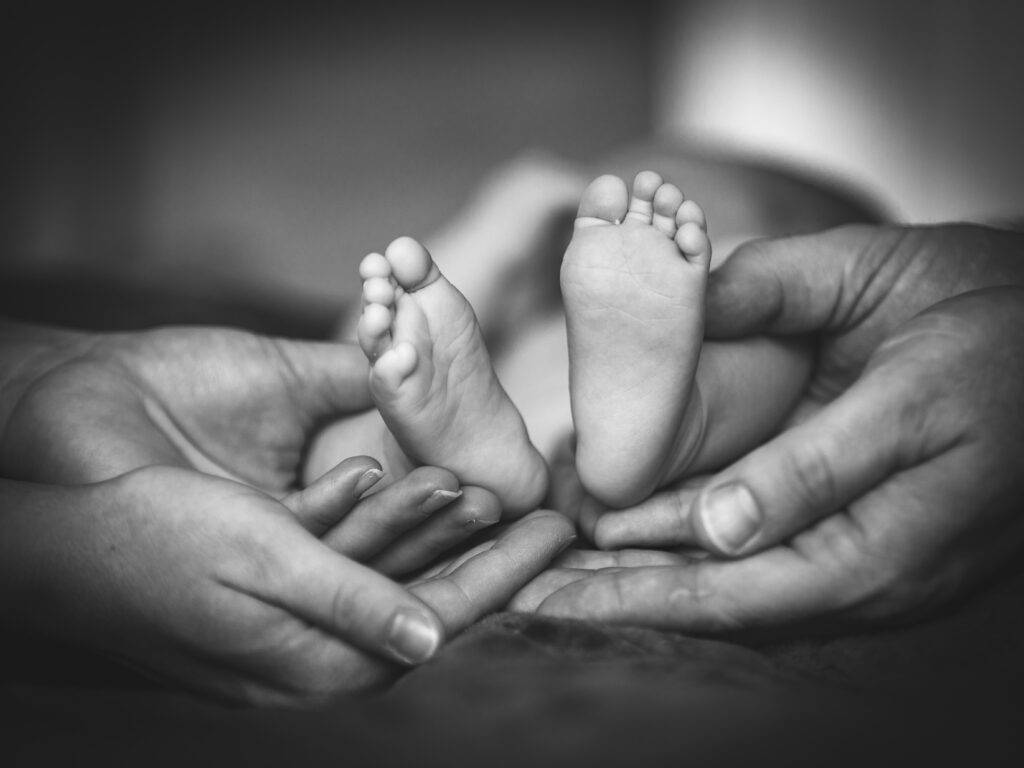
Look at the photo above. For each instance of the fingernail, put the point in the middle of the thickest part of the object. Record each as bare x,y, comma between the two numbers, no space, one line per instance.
438,499
412,636
367,480
730,515
478,523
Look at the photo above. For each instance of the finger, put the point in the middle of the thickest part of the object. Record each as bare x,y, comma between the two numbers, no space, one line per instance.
327,500
527,599
488,580
864,564
380,519
797,284
475,510
326,378
589,559
299,574
743,392
816,467
661,520
777,586
446,567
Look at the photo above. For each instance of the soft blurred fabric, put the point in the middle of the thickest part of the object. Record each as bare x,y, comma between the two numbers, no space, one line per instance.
918,102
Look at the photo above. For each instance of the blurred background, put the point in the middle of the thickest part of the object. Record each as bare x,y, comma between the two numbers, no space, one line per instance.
232,162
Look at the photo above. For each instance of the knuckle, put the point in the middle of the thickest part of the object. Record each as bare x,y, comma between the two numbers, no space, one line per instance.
342,606
812,479
879,582
679,510
695,593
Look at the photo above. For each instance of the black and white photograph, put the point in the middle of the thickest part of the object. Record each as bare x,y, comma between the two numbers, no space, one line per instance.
563,384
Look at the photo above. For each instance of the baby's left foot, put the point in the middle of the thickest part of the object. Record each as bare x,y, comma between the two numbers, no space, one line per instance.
432,380
633,281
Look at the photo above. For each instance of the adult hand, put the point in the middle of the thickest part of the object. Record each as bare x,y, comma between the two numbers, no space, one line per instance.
225,402
896,486
84,408
217,587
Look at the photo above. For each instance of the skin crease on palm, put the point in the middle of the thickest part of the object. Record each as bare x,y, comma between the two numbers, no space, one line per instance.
894,487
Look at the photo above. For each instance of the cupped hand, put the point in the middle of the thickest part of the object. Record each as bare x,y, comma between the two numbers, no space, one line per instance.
222,401
228,403
217,587
895,487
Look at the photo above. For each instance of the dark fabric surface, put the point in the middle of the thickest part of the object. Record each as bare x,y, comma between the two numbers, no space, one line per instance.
523,690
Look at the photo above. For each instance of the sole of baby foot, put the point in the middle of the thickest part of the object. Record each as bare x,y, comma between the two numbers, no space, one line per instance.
633,283
432,380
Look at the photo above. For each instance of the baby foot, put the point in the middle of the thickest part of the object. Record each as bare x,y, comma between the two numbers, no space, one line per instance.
432,380
633,281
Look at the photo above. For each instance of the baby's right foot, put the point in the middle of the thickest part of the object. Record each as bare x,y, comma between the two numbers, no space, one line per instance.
633,281
432,380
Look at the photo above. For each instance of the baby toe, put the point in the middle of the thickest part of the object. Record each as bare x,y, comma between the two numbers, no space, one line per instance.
411,264
373,330
379,290
690,211
641,205
374,265
667,200
392,368
693,242
603,202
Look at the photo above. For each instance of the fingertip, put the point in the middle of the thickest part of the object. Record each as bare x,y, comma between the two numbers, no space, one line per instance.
414,635
727,518
561,528
607,533
325,501
423,480
478,508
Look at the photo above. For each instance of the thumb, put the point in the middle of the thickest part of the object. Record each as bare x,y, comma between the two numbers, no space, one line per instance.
791,285
810,471
302,576
326,378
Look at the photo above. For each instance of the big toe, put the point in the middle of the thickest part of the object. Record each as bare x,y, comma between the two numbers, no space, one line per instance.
603,202
411,264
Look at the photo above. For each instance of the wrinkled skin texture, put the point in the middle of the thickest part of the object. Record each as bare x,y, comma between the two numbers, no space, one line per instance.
171,560
228,403
215,587
893,489
222,401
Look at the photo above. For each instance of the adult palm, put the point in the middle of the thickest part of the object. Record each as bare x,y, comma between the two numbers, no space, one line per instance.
222,401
